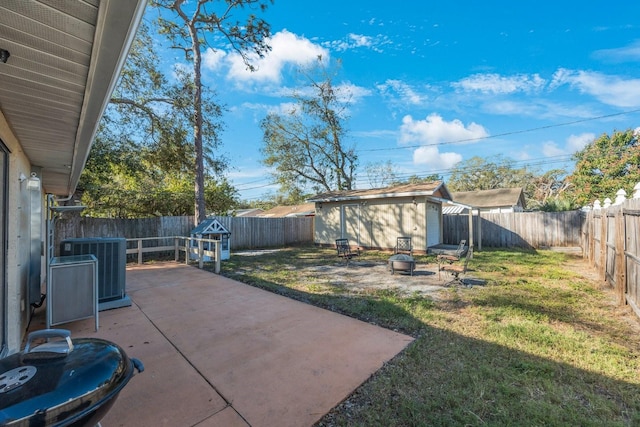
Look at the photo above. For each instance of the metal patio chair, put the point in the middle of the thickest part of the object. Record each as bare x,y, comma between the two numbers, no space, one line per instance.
458,269
403,246
344,250
451,258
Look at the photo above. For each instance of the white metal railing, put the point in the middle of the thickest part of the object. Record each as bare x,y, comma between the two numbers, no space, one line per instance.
180,244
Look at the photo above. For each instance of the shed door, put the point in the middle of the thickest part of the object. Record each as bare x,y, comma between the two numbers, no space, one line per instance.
433,224
350,223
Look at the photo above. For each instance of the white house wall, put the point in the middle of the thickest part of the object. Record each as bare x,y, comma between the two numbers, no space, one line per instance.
18,247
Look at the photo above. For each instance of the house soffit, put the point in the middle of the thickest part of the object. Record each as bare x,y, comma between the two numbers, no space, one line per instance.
65,58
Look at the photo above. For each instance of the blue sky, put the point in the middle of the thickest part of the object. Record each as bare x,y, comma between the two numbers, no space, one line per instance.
533,82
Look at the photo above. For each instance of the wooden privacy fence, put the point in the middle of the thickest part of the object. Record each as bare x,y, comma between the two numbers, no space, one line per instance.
517,229
254,232
246,233
610,238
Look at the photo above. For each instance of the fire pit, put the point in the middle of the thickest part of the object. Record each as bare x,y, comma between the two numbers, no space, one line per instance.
63,382
402,262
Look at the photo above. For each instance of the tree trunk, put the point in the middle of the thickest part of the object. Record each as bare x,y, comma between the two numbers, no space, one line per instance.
200,208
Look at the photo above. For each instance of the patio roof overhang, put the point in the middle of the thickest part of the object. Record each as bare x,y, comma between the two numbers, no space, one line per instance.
65,59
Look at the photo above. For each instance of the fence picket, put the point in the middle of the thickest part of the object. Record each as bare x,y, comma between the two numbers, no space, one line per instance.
246,232
518,229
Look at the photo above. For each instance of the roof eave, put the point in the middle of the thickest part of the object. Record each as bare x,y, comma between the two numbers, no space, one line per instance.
373,196
115,31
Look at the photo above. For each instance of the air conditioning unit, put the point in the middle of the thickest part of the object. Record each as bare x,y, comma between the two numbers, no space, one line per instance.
111,253
72,289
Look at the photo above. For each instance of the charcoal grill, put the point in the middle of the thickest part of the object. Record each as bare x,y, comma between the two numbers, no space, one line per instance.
63,382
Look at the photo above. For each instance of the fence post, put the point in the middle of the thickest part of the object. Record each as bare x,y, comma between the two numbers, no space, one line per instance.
139,251
479,228
603,247
218,254
471,231
176,249
592,237
200,254
621,267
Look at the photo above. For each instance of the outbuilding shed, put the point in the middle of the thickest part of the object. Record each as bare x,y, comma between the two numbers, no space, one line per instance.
375,218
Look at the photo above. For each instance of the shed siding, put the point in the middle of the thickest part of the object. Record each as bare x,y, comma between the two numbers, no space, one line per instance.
375,223
327,223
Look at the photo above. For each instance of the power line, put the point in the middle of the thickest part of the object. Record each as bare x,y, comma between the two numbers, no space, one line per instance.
515,132
252,182
519,163
532,162
442,172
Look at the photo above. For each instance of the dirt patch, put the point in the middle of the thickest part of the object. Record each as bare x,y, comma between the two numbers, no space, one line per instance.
361,276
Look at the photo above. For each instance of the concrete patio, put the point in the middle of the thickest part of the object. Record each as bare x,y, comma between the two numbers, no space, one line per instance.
221,353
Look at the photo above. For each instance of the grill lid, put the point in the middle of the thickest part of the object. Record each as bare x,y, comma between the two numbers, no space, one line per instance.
60,380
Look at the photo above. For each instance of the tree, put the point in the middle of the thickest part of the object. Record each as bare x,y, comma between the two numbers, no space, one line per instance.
141,163
606,165
381,174
306,145
415,179
188,32
550,192
121,181
478,173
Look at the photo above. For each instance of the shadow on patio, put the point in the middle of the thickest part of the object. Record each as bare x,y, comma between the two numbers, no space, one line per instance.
221,353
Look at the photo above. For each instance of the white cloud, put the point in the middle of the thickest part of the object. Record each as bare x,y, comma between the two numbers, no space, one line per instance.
497,84
286,49
630,53
359,40
539,108
576,143
213,59
407,94
355,41
283,108
551,149
612,90
348,92
430,157
434,130
514,108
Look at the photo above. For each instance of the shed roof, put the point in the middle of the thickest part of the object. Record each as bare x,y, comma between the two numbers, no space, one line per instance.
305,209
405,190
210,226
491,198
245,212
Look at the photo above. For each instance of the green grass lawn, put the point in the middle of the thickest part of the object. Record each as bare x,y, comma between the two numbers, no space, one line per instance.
539,344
